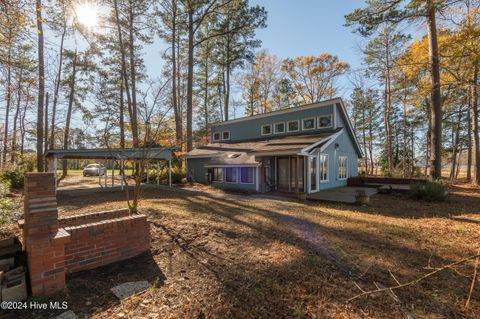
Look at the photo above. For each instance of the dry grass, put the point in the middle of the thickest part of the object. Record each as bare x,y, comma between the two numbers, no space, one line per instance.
217,255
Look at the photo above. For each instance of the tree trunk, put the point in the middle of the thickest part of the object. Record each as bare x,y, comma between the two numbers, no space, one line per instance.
71,97
205,101
122,120
429,137
45,135
133,76
57,88
15,119
123,57
41,87
8,96
476,137
226,89
469,136
386,114
190,80
436,133
456,142
176,107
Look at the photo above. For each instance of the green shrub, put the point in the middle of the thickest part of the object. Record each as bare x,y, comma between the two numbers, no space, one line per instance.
177,175
6,204
431,191
14,174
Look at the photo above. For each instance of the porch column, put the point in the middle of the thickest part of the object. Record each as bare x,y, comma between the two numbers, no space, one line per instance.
257,178
289,174
297,171
170,173
148,172
158,173
276,173
106,172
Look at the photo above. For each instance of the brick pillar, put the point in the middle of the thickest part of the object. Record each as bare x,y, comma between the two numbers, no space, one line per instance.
44,240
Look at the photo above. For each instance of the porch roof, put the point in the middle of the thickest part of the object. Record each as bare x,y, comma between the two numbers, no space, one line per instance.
152,153
292,144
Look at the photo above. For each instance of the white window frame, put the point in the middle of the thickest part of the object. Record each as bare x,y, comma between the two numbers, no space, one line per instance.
326,167
322,116
306,119
240,175
288,126
271,129
235,169
219,136
223,174
309,176
275,128
340,158
226,139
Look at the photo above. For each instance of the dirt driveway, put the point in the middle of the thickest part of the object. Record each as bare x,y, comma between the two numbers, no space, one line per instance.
220,255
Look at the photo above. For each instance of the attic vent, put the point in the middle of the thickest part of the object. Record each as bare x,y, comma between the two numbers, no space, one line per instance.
233,155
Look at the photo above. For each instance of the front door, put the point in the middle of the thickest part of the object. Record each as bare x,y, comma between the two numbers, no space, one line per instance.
282,170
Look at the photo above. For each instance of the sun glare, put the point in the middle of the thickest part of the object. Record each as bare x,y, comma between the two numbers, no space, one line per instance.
87,14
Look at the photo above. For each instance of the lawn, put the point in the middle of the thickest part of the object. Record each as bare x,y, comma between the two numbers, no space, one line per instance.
219,255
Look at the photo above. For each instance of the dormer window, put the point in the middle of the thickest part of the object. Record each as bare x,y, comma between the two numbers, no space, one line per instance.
216,136
267,129
279,128
324,121
293,126
225,135
308,124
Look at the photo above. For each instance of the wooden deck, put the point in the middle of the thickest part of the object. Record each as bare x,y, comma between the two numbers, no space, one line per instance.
341,194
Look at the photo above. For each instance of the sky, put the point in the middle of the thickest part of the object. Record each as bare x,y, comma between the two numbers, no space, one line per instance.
296,28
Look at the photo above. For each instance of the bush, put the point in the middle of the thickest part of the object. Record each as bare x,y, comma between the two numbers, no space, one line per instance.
6,204
14,174
431,191
177,175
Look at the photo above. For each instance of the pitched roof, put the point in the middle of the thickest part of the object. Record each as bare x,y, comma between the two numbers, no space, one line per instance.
292,144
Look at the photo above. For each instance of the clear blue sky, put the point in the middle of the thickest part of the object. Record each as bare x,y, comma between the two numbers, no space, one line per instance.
310,27
297,27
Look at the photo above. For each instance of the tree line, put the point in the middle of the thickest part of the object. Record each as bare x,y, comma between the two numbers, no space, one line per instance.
415,99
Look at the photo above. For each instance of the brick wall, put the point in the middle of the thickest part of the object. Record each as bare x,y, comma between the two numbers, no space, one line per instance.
55,246
43,239
97,244
88,218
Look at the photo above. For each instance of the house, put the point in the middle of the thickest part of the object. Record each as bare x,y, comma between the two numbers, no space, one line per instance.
304,149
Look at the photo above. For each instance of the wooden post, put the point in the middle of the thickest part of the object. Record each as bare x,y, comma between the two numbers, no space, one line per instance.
122,174
148,172
113,173
158,173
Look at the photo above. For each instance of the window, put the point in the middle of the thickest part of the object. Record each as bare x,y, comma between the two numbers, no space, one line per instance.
323,168
267,129
308,124
325,121
246,175
342,167
293,126
313,172
216,136
225,135
279,128
231,174
218,174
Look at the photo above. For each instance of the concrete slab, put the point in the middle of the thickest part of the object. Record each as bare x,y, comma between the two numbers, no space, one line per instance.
67,315
128,289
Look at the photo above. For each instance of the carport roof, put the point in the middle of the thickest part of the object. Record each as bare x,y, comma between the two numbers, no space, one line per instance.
152,153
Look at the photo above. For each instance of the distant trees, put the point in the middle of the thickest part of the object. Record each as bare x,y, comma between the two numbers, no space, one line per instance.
269,83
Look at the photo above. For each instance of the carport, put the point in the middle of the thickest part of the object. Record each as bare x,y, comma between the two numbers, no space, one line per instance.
151,154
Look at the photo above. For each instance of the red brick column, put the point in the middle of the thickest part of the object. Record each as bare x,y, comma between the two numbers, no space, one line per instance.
44,240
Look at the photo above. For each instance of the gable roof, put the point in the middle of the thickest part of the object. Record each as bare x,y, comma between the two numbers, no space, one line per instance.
293,144
338,102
